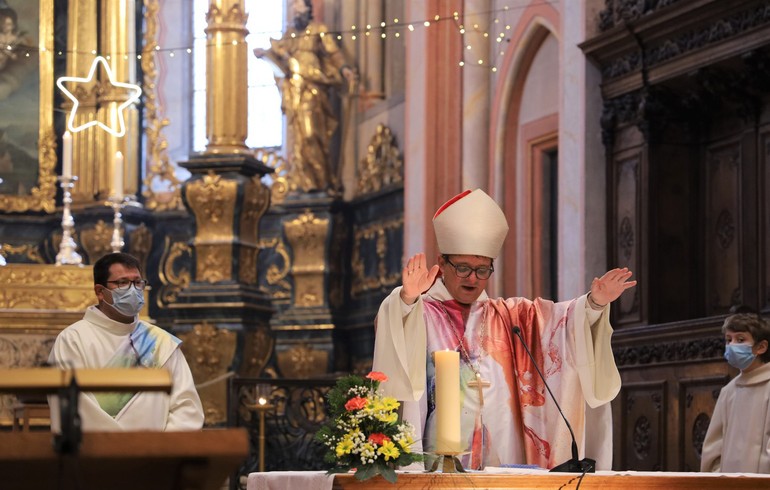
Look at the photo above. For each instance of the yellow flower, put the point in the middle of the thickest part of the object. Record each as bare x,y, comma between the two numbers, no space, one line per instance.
344,446
389,450
387,417
406,443
389,403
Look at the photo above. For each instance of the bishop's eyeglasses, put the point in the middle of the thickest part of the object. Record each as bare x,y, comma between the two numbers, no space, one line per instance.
464,271
124,284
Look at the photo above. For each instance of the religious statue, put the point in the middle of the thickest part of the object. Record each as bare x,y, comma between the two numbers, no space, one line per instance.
312,64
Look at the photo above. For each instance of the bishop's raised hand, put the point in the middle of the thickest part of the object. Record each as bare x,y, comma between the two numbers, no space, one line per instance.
416,278
610,286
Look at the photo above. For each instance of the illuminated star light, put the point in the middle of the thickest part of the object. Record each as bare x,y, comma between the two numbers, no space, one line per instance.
134,90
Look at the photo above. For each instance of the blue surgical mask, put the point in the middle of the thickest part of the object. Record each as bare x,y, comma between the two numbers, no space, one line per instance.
739,356
128,302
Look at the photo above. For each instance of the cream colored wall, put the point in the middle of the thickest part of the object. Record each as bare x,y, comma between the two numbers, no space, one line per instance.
582,227
540,98
541,88
560,80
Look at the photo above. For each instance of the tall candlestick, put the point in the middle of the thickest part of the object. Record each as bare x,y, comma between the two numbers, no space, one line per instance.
66,169
117,178
67,254
447,401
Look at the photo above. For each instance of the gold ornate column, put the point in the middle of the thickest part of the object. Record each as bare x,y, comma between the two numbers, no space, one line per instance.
226,78
222,303
304,330
82,40
118,45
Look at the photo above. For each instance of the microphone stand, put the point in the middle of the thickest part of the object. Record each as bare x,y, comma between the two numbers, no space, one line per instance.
574,465
68,442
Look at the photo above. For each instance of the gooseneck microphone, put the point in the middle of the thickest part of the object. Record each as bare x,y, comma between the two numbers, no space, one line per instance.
574,465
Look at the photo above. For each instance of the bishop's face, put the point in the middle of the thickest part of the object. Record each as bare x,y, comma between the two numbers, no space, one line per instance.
465,290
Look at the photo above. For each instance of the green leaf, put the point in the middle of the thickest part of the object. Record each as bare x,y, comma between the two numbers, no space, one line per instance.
367,471
388,473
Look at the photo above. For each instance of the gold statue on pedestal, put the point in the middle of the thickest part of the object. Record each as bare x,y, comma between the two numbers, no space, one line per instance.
312,64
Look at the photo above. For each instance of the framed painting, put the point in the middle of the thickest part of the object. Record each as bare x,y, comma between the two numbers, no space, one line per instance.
27,136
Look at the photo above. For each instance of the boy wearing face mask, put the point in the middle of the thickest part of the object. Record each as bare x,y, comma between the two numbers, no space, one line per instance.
738,437
111,335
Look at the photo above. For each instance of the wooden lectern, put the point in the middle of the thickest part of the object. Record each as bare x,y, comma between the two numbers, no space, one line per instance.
200,460
195,460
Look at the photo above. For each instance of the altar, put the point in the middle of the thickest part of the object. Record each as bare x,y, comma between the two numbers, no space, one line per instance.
499,478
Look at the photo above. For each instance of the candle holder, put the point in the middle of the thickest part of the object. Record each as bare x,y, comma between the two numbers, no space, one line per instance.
117,203
262,406
447,463
67,254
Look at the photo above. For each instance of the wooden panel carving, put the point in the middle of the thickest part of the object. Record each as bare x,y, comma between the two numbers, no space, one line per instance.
372,245
697,398
302,361
723,227
627,227
764,166
643,425
210,351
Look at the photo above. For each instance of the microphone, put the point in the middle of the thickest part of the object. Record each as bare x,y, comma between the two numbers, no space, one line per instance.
574,465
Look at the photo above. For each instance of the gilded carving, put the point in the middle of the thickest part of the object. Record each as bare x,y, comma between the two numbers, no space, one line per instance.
141,243
279,286
256,352
278,181
48,287
41,197
173,276
382,279
29,252
234,17
214,264
212,200
256,200
159,169
302,361
307,236
210,351
312,64
382,165
96,240
21,351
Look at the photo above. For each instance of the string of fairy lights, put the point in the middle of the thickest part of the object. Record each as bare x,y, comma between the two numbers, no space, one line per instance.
395,28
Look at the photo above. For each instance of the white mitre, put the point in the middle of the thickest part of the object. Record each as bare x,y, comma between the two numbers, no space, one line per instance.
470,223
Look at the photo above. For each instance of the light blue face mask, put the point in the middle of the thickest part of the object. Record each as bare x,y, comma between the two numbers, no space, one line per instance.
128,302
739,356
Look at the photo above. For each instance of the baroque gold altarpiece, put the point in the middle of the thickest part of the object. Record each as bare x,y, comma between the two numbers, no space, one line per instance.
36,302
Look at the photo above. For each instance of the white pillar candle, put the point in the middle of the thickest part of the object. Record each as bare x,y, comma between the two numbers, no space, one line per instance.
117,177
66,154
447,365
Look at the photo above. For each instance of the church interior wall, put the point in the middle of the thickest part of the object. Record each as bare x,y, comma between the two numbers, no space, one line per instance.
625,198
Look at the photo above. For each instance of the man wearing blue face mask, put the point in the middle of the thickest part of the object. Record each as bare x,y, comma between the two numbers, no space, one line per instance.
110,335
738,437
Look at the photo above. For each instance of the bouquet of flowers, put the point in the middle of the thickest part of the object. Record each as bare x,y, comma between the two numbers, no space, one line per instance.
363,432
